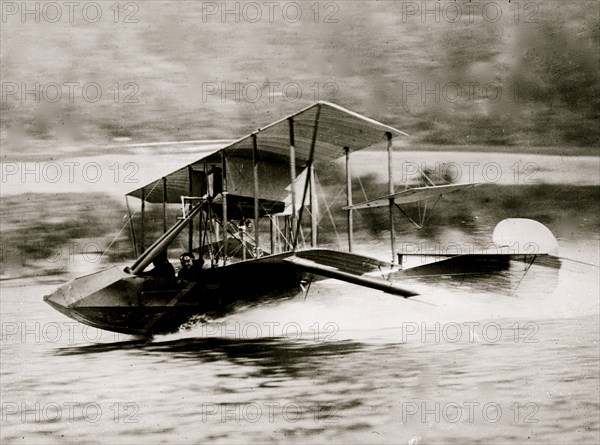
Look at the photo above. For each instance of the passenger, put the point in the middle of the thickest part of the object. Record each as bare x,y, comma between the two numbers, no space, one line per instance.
162,268
162,275
190,267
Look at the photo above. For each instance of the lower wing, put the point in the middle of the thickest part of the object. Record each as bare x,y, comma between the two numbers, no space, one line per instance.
347,267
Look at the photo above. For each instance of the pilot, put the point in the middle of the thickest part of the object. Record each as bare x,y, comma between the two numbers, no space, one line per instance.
190,267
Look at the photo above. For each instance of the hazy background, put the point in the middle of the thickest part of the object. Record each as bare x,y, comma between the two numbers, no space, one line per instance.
507,74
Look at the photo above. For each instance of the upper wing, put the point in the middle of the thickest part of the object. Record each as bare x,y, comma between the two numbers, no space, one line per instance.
332,127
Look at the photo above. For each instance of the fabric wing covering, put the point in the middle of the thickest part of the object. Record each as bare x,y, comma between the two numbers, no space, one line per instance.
335,126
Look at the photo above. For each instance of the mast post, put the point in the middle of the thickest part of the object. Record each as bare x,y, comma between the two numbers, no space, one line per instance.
391,192
191,225
272,230
164,181
292,178
224,194
143,212
256,191
313,207
349,198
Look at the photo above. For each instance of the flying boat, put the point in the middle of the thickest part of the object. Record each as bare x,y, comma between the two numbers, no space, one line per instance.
250,212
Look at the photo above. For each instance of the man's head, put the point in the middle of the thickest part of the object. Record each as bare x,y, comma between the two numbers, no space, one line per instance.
161,258
187,260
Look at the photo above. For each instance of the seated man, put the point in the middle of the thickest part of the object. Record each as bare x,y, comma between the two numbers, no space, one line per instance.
190,268
162,268
162,274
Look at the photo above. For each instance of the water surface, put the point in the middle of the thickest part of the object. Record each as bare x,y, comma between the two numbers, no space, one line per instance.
346,365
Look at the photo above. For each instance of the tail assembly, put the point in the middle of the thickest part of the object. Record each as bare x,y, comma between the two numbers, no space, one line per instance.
524,236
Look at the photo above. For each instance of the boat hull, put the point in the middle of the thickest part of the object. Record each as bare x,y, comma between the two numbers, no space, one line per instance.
116,301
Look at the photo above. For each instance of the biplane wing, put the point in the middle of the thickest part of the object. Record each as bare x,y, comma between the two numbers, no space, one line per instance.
318,133
410,195
265,175
329,271
326,263
349,267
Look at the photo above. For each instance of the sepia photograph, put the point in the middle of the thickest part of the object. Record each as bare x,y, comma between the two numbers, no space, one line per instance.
300,222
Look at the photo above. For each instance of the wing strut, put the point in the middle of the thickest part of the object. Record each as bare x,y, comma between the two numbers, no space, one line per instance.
388,135
309,164
423,217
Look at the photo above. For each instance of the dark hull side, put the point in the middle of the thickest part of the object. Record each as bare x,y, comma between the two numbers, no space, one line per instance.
118,302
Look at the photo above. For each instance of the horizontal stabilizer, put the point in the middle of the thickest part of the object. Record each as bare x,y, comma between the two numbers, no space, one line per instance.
411,195
515,239
333,272
474,264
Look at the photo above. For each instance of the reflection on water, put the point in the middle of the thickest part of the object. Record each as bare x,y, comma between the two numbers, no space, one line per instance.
271,356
